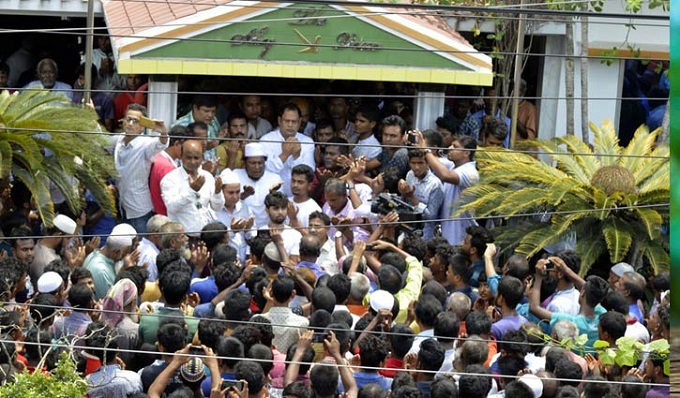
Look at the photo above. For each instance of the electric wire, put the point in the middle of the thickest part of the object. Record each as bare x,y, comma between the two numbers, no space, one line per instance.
229,139
61,309
417,6
375,368
368,224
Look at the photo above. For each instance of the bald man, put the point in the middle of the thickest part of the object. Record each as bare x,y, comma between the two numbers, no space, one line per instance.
189,192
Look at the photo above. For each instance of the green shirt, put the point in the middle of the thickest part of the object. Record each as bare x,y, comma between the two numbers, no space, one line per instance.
103,273
149,324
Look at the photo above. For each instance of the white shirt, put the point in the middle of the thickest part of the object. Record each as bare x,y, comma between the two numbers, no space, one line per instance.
190,208
305,209
147,254
237,240
638,331
420,337
565,302
447,365
283,169
263,127
454,230
371,151
327,260
133,163
291,239
256,201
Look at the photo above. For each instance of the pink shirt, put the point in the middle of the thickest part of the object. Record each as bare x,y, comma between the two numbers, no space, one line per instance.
162,165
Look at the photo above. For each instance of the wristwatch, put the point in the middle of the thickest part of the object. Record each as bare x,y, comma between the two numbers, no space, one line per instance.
427,150
350,186
338,234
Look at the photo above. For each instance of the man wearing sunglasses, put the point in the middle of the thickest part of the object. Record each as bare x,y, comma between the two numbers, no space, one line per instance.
133,157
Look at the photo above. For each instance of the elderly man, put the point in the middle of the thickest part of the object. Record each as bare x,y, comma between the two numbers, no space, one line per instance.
339,208
236,214
47,72
256,182
150,245
285,148
189,192
49,247
133,157
101,263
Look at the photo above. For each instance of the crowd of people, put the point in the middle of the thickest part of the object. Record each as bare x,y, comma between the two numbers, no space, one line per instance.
255,258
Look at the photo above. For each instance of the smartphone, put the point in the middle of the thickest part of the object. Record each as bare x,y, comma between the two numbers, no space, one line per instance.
196,350
412,138
319,337
147,123
550,266
232,384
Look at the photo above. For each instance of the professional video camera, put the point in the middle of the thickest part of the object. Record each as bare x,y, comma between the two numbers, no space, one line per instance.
387,202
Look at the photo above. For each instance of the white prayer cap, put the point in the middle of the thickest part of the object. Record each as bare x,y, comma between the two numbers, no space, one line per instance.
381,300
534,382
621,268
121,236
49,282
229,177
253,149
65,224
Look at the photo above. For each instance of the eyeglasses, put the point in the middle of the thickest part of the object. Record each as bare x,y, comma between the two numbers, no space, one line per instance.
132,120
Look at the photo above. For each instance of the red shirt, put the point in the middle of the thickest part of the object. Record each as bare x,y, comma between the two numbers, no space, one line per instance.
392,366
162,165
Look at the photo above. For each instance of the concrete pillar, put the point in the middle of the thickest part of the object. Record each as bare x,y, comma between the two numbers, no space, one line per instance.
162,100
428,106
553,80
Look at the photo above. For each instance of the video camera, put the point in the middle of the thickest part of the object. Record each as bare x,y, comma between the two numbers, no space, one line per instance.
388,202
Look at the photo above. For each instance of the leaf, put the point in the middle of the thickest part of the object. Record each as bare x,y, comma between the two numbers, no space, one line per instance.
5,159
582,153
599,344
617,235
657,257
606,143
651,220
590,249
642,143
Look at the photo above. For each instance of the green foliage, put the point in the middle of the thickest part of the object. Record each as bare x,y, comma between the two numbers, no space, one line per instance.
629,352
75,147
64,382
514,183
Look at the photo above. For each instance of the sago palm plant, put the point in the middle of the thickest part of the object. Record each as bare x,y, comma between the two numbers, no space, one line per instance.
46,140
614,199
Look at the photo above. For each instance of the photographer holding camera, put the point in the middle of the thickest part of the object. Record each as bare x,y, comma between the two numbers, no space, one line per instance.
422,189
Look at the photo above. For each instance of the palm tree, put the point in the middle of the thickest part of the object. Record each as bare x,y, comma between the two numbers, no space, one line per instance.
614,199
46,140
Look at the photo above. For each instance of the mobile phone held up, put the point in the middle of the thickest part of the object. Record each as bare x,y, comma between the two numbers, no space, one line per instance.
232,384
147,123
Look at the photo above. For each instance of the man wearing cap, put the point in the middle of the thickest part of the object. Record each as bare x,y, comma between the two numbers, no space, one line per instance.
285,148
190,193
165,162
133,156
617,272
51,283
236,214
49,247
256,181
101,263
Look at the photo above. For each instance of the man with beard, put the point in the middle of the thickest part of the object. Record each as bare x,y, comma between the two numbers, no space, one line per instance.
236,214
256,182
251,106
285,148
339,208
339,111
322,134
301,204
190,193
101,263
276,205
230,152
47,72
50,246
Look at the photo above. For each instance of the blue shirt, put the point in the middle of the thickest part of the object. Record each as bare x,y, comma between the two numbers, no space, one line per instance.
363,378
205,287
477,268
207,383
314,267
